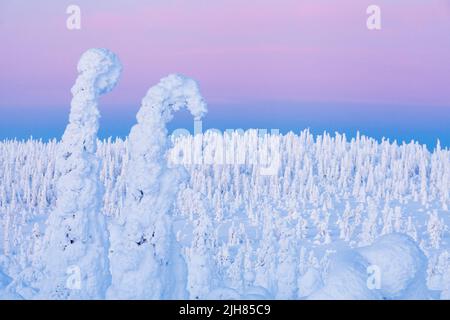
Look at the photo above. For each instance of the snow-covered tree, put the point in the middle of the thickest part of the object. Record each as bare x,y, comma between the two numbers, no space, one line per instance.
235,273
436,228
144,252
411,229
344,223
369,230
265,265
76,237
201,268
287,271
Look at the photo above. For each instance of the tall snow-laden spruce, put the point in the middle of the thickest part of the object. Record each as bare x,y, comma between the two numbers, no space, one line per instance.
146,262
201,277
75,252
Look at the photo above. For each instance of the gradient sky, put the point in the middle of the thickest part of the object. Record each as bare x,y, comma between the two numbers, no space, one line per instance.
285,64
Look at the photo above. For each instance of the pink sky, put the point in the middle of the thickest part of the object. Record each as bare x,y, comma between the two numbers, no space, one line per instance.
252,50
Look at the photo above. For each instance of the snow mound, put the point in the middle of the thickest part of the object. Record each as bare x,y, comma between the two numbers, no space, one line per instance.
399,264
346,279
402,265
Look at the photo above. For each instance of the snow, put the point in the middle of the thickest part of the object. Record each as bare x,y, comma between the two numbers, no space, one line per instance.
4,280
397,260
5,292
143,245
76,234
309,283
236,230
223,294
156,216
402,265
346,280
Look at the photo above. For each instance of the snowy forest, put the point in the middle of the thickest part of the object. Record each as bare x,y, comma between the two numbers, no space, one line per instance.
234,215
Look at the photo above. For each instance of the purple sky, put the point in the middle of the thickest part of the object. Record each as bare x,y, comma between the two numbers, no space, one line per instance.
251,51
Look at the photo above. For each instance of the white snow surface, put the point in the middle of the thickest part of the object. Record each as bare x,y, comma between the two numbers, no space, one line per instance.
400,263
346,280
402,266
